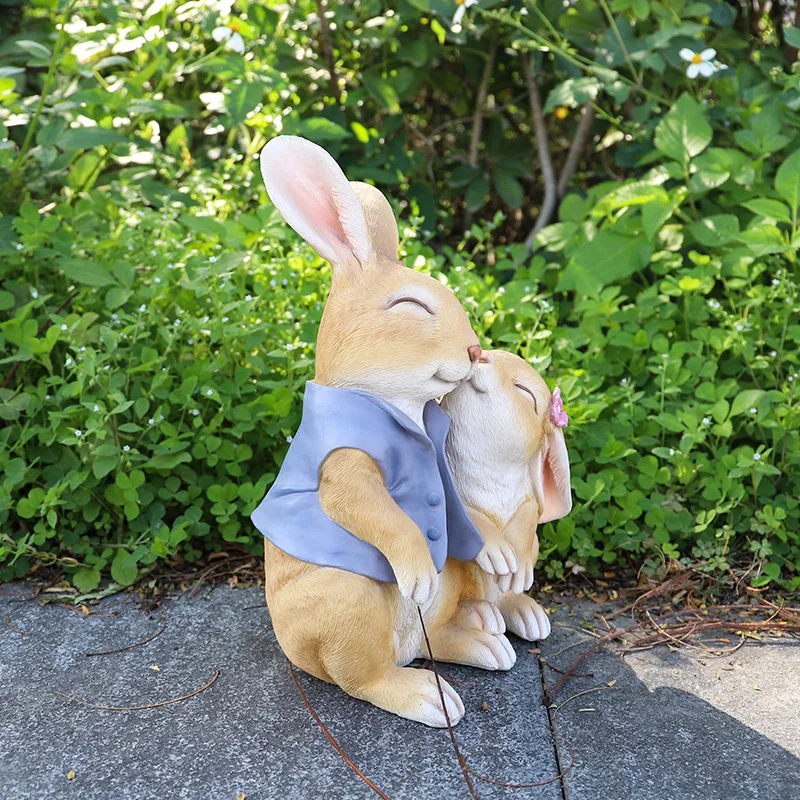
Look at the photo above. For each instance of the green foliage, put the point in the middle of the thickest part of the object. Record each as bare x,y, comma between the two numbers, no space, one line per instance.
157,318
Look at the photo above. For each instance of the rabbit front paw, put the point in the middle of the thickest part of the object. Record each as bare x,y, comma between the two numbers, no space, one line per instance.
497,558
418,585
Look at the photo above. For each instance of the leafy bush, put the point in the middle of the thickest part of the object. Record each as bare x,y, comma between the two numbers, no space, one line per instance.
157,319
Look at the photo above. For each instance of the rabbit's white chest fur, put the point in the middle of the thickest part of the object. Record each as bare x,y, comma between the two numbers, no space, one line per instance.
498,492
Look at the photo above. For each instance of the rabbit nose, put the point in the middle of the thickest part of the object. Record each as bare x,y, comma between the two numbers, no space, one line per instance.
475,352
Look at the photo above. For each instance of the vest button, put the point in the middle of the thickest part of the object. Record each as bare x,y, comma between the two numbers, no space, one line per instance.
434,499
434,534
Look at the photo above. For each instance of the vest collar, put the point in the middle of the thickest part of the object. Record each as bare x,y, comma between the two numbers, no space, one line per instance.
436,419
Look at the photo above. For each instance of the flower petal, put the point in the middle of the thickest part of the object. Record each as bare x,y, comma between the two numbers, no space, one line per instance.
692,70
707,55
686,54
459,15
236,43
707,69
221,34
720,66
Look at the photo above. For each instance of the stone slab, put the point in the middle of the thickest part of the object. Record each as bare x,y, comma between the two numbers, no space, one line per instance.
673,728
249,732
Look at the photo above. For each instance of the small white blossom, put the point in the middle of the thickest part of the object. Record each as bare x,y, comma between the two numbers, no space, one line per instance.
115,317
142,308
83,349
248,297
232,39
151,421
213,260
290,439
96,407
19,246
206,319
195,412
775,282
671,452
290,346
34,294
461,9
699,63
757,456
64,327
176,323
126,448
740,327
706,420
79,433
754,411
273,282
209,392
68,362
190,341
773,353
156,280
225,319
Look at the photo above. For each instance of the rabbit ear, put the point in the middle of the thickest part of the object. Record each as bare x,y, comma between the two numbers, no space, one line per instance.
551,476
310,190
381,223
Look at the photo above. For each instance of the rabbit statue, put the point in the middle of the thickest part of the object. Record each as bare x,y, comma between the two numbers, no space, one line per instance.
509,461
364,525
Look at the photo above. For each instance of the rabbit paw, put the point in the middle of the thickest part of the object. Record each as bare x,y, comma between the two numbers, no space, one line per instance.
491,651
525,617
497,558
418,585
479,615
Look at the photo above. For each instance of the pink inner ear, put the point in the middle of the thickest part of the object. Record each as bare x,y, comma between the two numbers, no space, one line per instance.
554,480
317,208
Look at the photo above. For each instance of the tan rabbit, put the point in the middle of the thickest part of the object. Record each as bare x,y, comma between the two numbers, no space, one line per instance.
510,463
396,338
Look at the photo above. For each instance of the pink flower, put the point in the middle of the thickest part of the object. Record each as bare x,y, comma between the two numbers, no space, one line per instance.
557,413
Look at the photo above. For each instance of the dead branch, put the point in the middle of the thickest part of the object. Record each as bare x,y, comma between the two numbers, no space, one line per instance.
142,708
137,644
582,134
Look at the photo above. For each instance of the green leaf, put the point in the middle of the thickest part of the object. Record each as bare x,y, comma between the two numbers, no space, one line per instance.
477,193
362,134
787,181
34,48
6,300
684,132
745,400
243,98
509,188
715,230
382,91
573,92
102,465
15,471
86,579
88,138
792,36
205,225
770,209
608,258
123,568
89,272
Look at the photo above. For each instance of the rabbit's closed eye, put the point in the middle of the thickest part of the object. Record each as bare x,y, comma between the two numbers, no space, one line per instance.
527,391
412,301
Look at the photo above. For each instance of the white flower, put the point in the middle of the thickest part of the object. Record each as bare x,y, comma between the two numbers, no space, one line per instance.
290,346
156,280
68,362
233,40
248,297
706,420
126,448
151,422
757,456
461,9
775,282
142,308
740,327
671,452
290,439
213,260
273,282
79,433
19,246
190,341
773,353
699,63
195,412
34,293
64,327
754,411
96,407
176,323
225,319
209,392
115,317
206,319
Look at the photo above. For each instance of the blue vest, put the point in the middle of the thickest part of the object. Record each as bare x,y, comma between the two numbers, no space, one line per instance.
415,471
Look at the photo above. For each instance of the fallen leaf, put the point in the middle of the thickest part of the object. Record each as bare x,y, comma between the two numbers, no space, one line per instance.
757,688
600,598
155,667
241,796
609,574
85,610
610,684
484,706
71,774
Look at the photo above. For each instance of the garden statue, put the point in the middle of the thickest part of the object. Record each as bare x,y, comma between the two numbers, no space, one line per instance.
510,464
364,524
